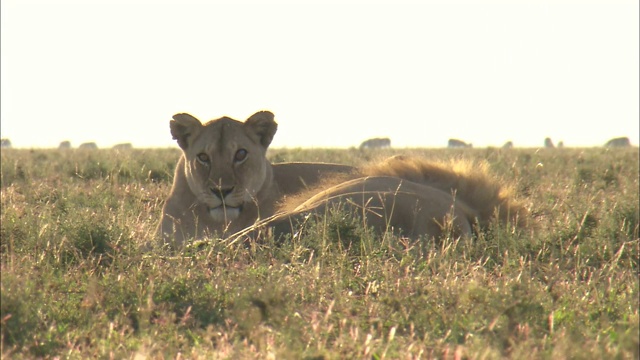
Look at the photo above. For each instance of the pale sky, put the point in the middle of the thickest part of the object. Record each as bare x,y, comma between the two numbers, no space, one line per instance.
334,72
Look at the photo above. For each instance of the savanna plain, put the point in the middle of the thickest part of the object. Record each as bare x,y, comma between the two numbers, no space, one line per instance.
79,281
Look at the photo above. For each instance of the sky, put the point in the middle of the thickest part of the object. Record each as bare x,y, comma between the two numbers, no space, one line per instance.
333,72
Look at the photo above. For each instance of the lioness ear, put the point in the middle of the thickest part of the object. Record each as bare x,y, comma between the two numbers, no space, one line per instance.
184,126
263,125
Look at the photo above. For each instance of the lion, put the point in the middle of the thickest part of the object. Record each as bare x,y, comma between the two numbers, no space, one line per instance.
224,186
223,182
407,196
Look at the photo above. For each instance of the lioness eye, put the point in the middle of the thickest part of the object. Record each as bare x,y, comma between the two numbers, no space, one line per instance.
203,158
240,155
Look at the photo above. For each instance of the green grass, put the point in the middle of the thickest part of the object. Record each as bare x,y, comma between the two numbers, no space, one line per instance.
76,282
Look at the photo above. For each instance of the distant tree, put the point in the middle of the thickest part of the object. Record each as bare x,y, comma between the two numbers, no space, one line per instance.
376,143
618,142
64,145
5,143
508,145
88,146
455,143
122,147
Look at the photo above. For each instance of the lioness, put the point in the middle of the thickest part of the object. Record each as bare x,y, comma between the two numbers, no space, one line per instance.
223,182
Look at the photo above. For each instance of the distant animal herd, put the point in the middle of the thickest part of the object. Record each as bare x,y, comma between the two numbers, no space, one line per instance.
373,143
66,145
379,143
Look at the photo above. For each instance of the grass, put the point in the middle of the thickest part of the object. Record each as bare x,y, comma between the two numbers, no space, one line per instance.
76,282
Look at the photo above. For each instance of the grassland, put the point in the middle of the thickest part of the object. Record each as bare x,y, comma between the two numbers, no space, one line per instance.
76,282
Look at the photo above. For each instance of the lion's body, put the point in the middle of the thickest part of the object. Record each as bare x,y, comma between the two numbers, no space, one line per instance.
388,204
295,177
224,185
410,196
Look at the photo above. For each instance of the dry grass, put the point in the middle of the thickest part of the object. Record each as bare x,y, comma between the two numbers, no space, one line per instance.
76,283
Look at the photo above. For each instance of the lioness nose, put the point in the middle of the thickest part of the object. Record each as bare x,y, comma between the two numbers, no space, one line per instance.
221,193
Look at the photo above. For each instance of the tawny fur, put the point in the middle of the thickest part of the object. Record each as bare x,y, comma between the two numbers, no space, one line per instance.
470,182
413,195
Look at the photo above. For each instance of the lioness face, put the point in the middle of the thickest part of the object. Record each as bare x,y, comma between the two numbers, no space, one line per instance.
225,162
